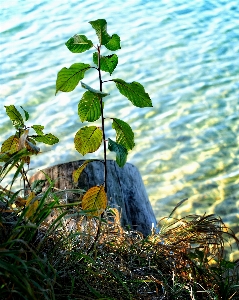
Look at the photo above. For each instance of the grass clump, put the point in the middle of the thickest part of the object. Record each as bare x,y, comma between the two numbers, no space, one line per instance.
58,252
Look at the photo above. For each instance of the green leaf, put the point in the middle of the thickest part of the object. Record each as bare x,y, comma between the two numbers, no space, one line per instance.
25,113
96,92
48,139
79,43
14,116
114,43
134,92
88,139
95,199
107,63
89,107
124,133
10,145
100,27
121,152
38,129
68,79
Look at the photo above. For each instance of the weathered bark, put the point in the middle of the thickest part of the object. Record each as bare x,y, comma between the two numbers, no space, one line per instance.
125,189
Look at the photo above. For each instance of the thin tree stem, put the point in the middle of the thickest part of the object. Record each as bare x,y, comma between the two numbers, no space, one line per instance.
102,121
25,181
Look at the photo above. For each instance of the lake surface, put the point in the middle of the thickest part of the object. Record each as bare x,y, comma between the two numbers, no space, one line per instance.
186,56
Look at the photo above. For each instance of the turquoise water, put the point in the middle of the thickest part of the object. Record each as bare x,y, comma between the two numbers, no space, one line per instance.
187,57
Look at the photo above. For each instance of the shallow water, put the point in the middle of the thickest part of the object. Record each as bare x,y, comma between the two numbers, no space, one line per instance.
187,58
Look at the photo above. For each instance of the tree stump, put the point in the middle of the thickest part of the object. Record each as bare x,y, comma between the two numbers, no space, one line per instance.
125,189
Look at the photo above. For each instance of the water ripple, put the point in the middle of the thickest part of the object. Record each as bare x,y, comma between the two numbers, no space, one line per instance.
187,58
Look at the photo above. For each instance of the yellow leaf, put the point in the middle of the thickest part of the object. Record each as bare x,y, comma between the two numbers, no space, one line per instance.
76,174
32,205
20,202
10,145
95,199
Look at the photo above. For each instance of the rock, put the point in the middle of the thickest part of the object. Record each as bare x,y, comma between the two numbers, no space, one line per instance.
125,189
